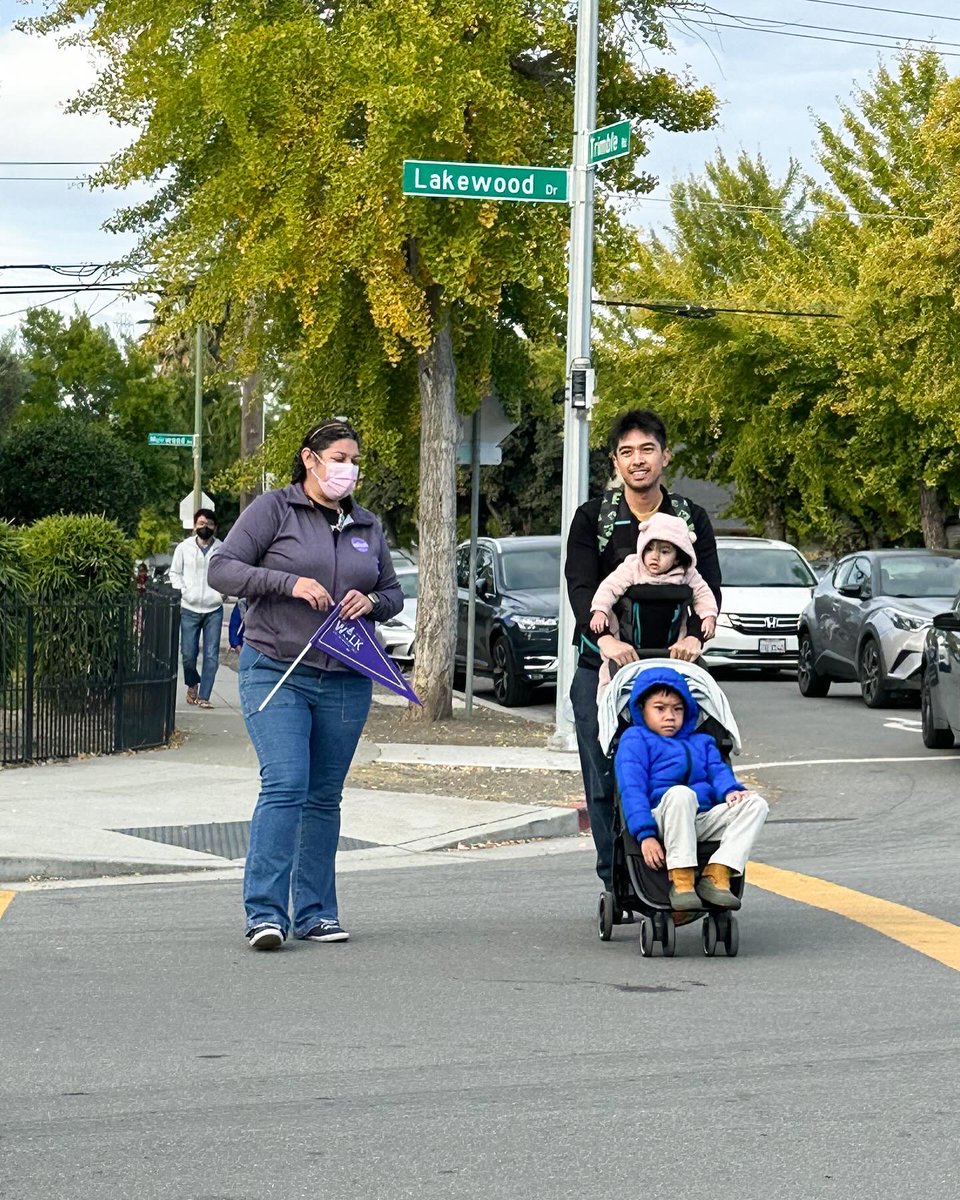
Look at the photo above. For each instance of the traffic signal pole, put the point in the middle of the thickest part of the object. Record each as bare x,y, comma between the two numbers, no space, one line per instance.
579,393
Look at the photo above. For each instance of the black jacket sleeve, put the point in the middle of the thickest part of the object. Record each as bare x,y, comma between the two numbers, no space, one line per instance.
708,563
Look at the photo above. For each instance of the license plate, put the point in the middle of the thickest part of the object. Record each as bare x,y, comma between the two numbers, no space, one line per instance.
773,645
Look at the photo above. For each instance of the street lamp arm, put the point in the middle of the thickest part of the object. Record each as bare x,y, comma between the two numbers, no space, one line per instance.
699,312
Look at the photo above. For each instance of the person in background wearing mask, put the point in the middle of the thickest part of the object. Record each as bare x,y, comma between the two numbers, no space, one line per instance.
201,607
293,554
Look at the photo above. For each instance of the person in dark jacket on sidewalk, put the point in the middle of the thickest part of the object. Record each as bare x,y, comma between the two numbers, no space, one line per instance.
602,534
676,790
293,554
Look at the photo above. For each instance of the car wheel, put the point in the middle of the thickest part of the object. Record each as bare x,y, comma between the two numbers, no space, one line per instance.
809,679
934,738
509,686
870,674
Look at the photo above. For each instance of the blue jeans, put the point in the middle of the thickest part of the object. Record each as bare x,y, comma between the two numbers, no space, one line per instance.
305,740
192,624
595,766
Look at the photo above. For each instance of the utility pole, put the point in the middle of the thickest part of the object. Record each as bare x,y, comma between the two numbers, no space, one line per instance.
576,445
198,419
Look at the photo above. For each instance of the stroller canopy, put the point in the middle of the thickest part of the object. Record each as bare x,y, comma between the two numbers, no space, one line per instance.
701,683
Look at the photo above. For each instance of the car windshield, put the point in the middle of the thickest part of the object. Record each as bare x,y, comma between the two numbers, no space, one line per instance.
913,576
531,570
409,584
762,566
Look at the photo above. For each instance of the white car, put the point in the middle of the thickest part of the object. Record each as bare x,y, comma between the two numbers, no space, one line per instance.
766,586
396,635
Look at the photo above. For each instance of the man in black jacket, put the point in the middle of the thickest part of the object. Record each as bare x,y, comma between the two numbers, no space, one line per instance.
603,532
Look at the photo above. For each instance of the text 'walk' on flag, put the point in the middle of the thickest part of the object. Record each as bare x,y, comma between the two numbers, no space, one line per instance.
355,644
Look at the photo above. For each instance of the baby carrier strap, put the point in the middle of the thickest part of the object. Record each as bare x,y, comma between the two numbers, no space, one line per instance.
610,506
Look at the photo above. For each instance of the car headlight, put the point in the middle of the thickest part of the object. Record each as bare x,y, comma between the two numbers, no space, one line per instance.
724,620
530,624
907,621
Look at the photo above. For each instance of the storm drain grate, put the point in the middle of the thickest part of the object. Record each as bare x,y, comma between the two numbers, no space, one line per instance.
226,839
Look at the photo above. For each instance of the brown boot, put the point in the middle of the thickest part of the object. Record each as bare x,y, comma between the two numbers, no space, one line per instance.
683,895
714,887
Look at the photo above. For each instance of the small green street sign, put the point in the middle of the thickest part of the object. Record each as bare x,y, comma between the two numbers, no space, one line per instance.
610,142
169,439
485,181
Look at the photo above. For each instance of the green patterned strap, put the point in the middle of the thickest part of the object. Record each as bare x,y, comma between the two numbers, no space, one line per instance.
681,508
609,507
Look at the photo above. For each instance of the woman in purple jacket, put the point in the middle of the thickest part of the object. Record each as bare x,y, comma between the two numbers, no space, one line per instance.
292,554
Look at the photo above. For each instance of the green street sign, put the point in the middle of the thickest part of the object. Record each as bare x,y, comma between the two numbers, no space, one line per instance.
169,439
485,181
610,142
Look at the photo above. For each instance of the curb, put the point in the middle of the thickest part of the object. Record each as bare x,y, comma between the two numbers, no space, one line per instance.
537,823
22,869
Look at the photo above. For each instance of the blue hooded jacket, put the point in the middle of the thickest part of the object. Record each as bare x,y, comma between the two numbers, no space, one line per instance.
648,764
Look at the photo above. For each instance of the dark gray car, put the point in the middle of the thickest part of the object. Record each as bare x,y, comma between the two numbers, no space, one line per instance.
867,620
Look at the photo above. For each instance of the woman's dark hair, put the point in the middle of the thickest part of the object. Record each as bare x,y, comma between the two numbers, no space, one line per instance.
317,439
641,419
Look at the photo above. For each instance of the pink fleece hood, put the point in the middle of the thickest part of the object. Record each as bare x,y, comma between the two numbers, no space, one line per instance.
663,528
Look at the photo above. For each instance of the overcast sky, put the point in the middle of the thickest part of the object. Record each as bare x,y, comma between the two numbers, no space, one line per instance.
767,83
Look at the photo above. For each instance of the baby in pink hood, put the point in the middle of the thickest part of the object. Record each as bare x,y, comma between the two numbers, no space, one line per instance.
664,554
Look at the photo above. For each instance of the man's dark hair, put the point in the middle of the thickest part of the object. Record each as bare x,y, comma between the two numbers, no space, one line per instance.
205,512
642,419
318,438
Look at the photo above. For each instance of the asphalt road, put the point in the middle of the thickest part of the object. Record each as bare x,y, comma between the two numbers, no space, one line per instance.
475,1039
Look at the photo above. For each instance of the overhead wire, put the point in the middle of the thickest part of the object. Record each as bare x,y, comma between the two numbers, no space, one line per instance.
639,201
812,37
762,25
878,8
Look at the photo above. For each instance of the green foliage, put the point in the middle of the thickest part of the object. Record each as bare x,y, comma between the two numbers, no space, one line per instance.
68,465
77,556
13,571
13,383
830,429
156,533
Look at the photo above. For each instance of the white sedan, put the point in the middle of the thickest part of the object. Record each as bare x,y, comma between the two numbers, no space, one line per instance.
397,634
766,586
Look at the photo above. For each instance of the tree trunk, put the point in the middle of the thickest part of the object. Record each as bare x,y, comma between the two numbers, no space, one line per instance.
774,524
931,519
437,602
251,427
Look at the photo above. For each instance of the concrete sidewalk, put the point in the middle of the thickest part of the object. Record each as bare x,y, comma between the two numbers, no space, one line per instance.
188,807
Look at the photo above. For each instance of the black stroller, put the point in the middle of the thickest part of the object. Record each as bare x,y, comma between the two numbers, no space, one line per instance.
638,888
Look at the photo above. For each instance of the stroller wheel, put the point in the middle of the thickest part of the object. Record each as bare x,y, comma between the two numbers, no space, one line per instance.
648,937
605,916
731,937
709,935
669,938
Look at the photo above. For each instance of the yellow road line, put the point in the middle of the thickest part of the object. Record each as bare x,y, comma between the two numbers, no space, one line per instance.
937,939
5,898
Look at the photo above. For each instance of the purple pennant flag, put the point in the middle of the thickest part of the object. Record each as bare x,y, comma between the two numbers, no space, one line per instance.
354,643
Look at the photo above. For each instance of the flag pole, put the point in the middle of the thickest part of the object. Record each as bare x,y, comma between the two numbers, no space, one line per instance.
285,676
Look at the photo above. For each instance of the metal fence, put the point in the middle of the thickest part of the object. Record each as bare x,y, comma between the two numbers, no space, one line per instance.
87,677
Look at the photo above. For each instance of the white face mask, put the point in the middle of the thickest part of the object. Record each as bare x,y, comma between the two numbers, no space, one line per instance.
340,481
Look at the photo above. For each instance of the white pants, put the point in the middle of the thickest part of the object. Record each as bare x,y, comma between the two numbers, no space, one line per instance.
682,826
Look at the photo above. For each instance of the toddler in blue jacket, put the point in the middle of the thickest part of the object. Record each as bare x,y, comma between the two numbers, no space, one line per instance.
676,790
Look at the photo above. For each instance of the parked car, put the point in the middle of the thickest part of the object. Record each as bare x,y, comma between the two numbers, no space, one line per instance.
766,585
517,585
397,634
940,680
867,621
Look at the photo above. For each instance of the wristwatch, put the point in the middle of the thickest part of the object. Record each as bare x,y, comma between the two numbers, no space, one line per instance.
374,598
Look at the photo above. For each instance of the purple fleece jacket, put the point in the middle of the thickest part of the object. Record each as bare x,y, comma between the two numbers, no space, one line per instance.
280,537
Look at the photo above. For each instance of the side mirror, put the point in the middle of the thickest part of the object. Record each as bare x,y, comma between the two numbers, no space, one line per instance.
949,621
856,591
481,587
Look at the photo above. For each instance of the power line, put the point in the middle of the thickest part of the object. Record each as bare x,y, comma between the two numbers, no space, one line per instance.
702,312
75,288
765,22
49,162
899,12
809,37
